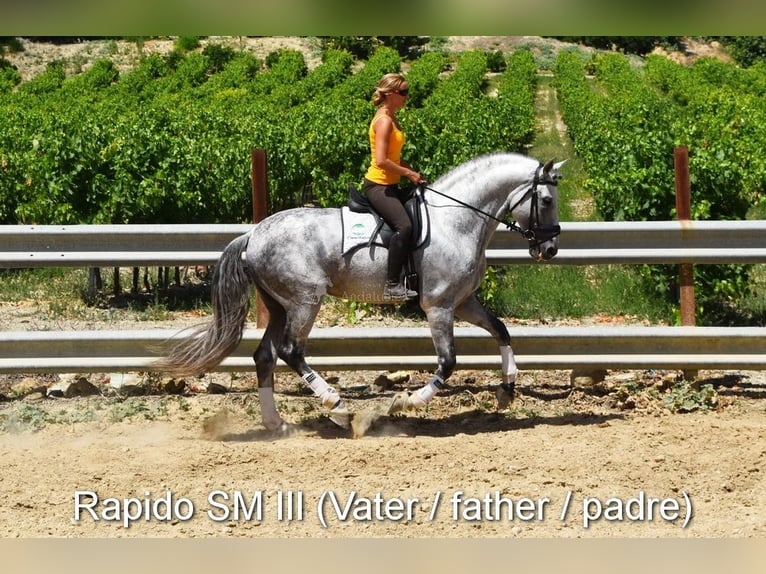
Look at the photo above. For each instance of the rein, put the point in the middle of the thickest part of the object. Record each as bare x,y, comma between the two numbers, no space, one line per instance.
536,234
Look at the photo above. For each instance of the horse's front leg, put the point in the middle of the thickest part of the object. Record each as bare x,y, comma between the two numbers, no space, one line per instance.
441,322
473,311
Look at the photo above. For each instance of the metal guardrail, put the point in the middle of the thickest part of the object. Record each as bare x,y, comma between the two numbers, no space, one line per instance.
644,242
690,348
348,349
114,245
582,243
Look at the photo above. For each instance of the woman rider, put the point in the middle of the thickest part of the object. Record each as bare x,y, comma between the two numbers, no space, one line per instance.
381,182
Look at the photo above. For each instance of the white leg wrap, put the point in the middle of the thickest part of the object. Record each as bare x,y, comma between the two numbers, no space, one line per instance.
423,395
271,418
509,364
322,389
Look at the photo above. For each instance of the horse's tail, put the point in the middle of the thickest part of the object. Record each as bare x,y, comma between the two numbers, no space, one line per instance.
208,345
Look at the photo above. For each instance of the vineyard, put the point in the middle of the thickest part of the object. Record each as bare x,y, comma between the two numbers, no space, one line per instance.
169,141
625,122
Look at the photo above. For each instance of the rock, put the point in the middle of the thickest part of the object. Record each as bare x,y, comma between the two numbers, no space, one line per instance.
26,387
198,387
386,381
586,377
73,386
126,384
214,388
174,386
398,377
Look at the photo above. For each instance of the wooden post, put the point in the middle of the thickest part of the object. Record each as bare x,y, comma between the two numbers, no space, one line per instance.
683,213
686,270
260,212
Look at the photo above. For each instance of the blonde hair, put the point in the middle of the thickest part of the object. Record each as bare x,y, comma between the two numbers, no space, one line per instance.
388,84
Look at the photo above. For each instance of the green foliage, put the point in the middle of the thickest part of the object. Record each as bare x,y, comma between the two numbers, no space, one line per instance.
218,56
459,120
186,44
686,397
9,76
496,61
101,75
170,140
640,45
746,50
47,82
362,47
423,77
405,46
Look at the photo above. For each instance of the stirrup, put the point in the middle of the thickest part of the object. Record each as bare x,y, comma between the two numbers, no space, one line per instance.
398,292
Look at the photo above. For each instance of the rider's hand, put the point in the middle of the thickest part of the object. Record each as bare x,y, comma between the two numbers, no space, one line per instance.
415,177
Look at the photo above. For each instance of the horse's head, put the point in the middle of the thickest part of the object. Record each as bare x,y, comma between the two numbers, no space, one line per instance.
536,209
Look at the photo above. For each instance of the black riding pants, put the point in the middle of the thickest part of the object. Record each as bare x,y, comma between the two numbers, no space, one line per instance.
388,202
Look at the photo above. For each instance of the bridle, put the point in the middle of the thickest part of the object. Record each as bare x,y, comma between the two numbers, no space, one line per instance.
536,234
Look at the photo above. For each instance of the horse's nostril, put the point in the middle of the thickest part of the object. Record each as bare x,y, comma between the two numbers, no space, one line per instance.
551,252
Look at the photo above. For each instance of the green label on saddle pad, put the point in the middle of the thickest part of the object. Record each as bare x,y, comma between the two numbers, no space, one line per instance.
358,230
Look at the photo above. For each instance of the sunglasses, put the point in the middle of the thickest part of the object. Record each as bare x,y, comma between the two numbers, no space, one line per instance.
403,92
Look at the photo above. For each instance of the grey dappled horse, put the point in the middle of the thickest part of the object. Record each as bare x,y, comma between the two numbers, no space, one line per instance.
293,258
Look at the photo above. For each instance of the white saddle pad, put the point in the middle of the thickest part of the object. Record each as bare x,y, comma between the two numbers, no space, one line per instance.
359,227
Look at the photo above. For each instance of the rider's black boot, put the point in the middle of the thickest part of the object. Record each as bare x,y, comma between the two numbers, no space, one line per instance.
396,291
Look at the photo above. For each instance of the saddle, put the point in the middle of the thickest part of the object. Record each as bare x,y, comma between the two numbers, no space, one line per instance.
359,203
364,227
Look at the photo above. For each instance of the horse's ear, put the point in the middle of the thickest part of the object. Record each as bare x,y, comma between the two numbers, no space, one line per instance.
552,169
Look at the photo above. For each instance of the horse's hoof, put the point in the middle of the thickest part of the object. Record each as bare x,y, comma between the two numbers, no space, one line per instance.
505,393
341,416
285,429
400,403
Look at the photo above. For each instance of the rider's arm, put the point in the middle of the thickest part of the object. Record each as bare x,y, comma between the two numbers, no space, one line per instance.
383,128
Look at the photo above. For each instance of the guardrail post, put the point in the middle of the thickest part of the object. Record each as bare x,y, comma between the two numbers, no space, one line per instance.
260,212
686,270
683,213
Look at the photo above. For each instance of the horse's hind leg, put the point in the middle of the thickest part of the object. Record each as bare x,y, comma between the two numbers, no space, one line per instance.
265,358
291,349
473,311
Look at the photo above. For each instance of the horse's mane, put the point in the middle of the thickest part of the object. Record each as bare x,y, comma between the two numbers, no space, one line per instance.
479,165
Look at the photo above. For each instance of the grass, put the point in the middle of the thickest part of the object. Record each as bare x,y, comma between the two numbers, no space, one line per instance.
41,284
547,292
63,293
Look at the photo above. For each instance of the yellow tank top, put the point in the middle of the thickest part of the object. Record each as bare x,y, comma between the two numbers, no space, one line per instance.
395,144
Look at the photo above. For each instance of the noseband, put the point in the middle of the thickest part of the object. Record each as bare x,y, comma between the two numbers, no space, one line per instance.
536,234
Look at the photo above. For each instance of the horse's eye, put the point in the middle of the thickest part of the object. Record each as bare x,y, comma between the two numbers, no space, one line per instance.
547,200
